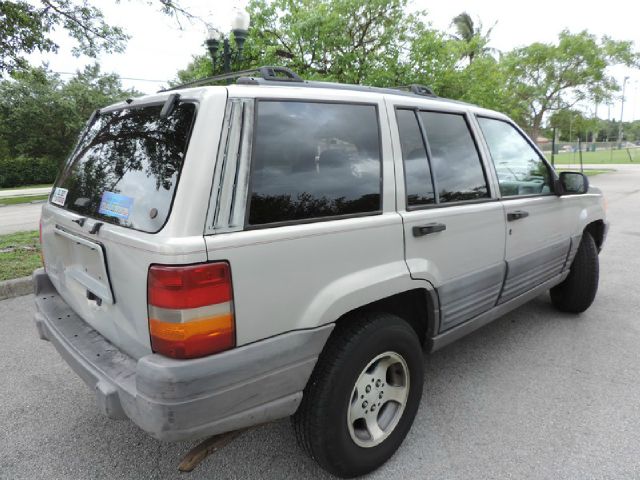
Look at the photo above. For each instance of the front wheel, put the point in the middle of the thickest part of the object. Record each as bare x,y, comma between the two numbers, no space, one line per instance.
363,395
577,292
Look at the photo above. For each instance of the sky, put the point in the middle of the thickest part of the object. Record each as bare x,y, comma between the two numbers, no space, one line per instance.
158,47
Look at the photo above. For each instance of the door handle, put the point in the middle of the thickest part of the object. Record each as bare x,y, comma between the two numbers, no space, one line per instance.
518,214
422,230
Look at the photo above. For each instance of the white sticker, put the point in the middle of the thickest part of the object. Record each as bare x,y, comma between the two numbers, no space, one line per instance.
59,196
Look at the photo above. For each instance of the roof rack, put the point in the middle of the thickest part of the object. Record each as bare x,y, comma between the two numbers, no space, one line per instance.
417,89
279,74
286,76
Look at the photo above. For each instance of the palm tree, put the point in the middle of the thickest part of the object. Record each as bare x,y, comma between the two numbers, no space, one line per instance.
475,40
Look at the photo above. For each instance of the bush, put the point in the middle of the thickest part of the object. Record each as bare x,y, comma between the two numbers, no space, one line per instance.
16,172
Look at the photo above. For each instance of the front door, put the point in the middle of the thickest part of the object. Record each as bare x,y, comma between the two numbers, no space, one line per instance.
537,238
454,227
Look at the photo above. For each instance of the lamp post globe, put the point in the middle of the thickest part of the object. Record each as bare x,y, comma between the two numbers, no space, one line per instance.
214,36
240,26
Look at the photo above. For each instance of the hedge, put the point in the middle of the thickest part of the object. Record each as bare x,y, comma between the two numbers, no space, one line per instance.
16,172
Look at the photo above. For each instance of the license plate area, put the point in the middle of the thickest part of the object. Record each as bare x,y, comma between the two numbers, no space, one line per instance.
85,263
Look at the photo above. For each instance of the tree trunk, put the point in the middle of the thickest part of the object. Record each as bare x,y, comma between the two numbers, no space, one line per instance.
536,125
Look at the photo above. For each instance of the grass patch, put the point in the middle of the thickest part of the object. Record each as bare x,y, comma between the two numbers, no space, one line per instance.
24,199
19,254
599,156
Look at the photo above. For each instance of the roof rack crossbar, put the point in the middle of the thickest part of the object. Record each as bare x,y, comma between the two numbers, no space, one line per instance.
281,74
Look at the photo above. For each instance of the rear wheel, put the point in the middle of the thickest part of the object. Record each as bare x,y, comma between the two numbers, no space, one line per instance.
577,292
363,395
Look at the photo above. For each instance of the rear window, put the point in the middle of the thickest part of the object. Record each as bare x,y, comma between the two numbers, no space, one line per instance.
125,169
314,160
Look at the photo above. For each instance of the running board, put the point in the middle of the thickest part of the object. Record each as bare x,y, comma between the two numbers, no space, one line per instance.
481,320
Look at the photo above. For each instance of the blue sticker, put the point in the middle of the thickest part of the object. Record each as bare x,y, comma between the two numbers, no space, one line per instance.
115,205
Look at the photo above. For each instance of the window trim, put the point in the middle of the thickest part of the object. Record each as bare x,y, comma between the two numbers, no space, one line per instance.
427,154
249,193
552,172
425,140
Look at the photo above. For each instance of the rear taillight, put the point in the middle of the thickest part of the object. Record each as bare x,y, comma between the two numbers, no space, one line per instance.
190,309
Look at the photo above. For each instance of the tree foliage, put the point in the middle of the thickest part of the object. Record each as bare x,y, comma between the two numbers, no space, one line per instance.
572,124
475,40
41,115
374,42
549,77
378,43
26,26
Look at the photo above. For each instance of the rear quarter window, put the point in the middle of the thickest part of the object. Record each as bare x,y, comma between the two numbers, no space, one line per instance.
314,161
126,167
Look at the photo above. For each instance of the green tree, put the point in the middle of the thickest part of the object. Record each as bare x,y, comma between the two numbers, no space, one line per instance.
572,124
375,43
41,116
378,43
632,131
27,25
349,41
475,41
548,77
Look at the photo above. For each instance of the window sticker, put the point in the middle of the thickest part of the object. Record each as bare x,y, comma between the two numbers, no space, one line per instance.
115,205
59,196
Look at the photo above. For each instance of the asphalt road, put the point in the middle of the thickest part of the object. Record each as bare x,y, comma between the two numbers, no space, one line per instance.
18,218
536,395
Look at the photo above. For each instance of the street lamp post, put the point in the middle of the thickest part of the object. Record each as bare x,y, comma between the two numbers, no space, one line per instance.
240,30
624,86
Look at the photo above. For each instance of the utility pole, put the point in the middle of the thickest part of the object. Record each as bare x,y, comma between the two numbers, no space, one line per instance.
624,86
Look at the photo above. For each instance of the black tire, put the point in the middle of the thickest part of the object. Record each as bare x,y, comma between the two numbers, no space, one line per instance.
577,292
321,422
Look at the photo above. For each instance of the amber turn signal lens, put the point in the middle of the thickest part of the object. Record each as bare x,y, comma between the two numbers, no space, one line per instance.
192,339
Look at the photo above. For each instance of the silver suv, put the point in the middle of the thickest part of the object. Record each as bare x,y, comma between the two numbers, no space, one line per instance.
217,257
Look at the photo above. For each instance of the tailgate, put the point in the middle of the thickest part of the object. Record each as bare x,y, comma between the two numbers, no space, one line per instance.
103,277
125,201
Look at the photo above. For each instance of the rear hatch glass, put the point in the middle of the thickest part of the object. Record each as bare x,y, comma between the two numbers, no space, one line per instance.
126,167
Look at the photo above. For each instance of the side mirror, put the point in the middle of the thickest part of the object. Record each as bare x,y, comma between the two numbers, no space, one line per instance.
574,183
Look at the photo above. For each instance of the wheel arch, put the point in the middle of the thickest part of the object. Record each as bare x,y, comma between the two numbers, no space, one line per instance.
597,230
417,306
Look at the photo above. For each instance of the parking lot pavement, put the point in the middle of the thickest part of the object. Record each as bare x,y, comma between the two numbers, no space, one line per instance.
18,218
536,394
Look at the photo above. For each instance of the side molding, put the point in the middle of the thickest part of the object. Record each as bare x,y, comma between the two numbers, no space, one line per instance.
461,330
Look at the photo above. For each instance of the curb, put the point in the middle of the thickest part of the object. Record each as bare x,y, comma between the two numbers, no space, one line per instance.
16,287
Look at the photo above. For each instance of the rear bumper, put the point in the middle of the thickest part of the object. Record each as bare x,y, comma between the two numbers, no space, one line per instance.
182,399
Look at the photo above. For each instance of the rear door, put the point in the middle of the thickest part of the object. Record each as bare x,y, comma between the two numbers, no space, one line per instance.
304,208
537,236
453,222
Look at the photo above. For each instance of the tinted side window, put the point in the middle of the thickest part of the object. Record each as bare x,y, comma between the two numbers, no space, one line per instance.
314,160
417,173
520,169
454,158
